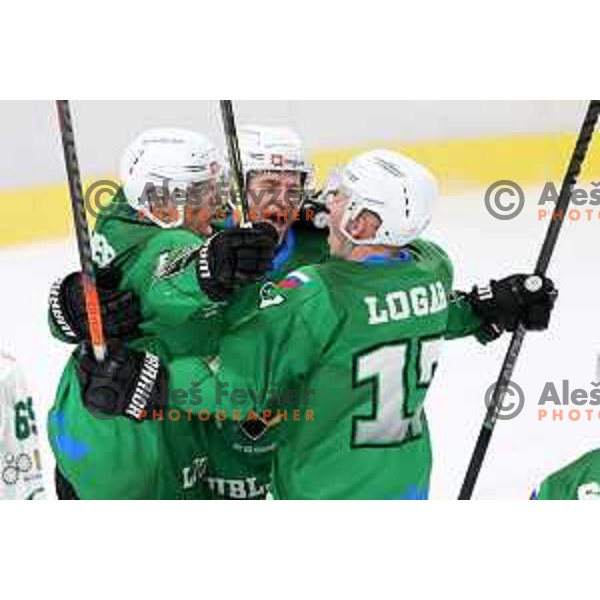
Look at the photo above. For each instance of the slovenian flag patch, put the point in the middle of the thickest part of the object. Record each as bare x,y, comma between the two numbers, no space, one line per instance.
294,280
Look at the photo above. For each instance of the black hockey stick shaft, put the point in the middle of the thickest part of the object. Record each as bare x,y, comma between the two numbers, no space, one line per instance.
235,159
90,291
512,354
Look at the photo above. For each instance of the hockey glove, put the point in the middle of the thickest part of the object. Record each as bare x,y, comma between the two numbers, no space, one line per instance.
127,383
235,257
525,299
121,314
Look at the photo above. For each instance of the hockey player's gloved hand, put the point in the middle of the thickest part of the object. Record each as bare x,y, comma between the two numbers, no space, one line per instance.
525,299
127,383
235,257
121,314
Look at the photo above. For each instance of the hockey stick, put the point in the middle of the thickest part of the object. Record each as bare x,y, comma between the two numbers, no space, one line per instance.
235,159
88,276
512,354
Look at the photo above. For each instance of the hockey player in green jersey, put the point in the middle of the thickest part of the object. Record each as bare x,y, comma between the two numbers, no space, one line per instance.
337,358
579,480
278,178
147,245
159,264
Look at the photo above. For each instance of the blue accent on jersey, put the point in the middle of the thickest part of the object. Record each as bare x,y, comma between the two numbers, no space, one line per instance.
403,256
284,251
58,419
74,449
413,492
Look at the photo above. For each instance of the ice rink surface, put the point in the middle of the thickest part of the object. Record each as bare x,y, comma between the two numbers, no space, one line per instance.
523,451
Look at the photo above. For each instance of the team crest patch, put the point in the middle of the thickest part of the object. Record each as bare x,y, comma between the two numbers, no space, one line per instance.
270,296
171,263
195,473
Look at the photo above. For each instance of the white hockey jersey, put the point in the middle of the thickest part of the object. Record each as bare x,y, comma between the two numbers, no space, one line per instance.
21,476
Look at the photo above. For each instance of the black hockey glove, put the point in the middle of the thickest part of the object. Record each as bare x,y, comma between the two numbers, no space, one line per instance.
235,257
121,314
127,383
525,299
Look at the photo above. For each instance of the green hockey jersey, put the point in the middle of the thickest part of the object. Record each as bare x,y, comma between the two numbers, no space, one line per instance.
117,458
579,480
338,358
211,459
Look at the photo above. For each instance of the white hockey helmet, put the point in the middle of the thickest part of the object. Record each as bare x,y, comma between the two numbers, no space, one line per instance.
171,160
267,148
400,191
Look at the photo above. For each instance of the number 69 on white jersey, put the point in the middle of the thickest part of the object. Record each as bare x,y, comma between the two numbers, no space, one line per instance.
21,475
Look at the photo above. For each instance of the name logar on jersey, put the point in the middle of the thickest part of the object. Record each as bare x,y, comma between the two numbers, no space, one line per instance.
589,491
418,301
